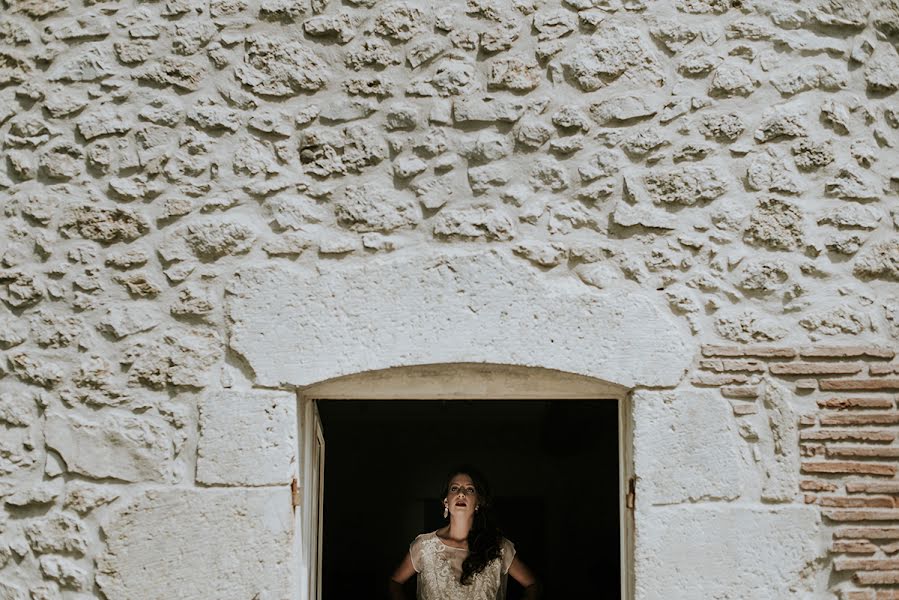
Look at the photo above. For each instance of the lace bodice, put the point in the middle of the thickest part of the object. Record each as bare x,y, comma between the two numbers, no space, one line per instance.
439,568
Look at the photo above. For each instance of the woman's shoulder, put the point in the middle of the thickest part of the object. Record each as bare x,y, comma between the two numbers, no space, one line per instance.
423,537
507,548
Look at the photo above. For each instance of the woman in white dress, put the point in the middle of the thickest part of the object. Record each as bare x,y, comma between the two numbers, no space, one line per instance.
467,559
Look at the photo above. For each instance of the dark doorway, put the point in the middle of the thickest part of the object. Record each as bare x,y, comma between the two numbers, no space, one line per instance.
553,466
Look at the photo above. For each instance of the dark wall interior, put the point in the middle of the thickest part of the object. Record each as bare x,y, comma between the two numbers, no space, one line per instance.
553,466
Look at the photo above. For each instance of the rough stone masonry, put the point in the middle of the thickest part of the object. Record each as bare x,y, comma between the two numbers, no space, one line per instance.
209,204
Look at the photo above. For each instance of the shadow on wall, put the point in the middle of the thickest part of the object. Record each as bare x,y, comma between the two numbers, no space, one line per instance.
553,466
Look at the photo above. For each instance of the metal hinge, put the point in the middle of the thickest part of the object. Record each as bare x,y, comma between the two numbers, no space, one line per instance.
631,498
294,493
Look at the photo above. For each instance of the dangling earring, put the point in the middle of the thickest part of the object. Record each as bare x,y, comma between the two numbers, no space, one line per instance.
445,511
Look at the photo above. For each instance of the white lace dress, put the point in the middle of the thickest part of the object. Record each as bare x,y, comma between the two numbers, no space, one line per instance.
439,568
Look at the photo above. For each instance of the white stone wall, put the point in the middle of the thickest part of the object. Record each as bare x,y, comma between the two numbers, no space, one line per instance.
209,205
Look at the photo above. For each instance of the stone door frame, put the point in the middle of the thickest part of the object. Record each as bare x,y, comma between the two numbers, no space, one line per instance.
485,381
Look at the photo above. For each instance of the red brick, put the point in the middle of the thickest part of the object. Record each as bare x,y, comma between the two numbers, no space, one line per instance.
858,595
877,578
860,384
887,369
865,564
850,468
891,548
863,451
717,364
750,350
846,403
862,515
868,533
815,368
873,487
887,594
815,485
717,380
860,435
741,409
740,391
860,419
847,352
856,547
841,502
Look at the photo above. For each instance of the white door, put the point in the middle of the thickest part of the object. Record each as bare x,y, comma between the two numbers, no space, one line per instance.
312,449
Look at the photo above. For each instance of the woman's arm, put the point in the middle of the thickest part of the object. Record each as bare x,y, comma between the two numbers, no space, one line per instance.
520,573
401,576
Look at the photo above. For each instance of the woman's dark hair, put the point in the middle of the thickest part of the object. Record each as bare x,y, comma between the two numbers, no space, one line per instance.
485,538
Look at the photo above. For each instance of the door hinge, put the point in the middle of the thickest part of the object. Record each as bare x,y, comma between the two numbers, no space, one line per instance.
294,493
631,498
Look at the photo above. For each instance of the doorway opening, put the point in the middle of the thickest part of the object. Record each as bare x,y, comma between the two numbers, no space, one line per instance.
553,467
555,446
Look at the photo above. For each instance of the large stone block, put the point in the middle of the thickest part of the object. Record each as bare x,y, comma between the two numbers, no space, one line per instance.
298,326
200,544
686,448
121,446
247,438
727,552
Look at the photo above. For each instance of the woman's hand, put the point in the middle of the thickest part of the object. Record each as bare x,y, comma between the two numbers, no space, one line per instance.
401,576
520,573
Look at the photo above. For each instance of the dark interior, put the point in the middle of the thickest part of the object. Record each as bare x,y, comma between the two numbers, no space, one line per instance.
553,467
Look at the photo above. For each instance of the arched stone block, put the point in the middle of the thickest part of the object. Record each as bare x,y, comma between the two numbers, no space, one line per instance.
297,326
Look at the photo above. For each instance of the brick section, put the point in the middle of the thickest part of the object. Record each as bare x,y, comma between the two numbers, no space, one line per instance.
846,435
869,487
865,564
863,402
859,547
819,368
877,578
849,468
868,502
871,533
860,384
848,446
847,352
748,350
862,515
860,419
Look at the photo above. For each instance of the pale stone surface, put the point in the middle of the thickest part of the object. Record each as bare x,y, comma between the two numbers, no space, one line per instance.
781,464
131,448
727,552
247,438
686,448
512,309
619,181
204,543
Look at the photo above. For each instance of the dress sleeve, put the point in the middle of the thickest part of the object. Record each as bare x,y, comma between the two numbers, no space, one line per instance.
508,554
415,554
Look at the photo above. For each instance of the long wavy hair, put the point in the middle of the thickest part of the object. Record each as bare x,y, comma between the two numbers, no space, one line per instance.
484,538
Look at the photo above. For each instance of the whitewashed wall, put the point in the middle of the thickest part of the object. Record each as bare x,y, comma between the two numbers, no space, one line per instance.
209,205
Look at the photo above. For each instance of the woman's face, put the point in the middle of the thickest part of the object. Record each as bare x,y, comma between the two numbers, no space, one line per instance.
462,497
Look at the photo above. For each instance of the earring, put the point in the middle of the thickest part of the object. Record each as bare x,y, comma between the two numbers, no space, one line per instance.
445,512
